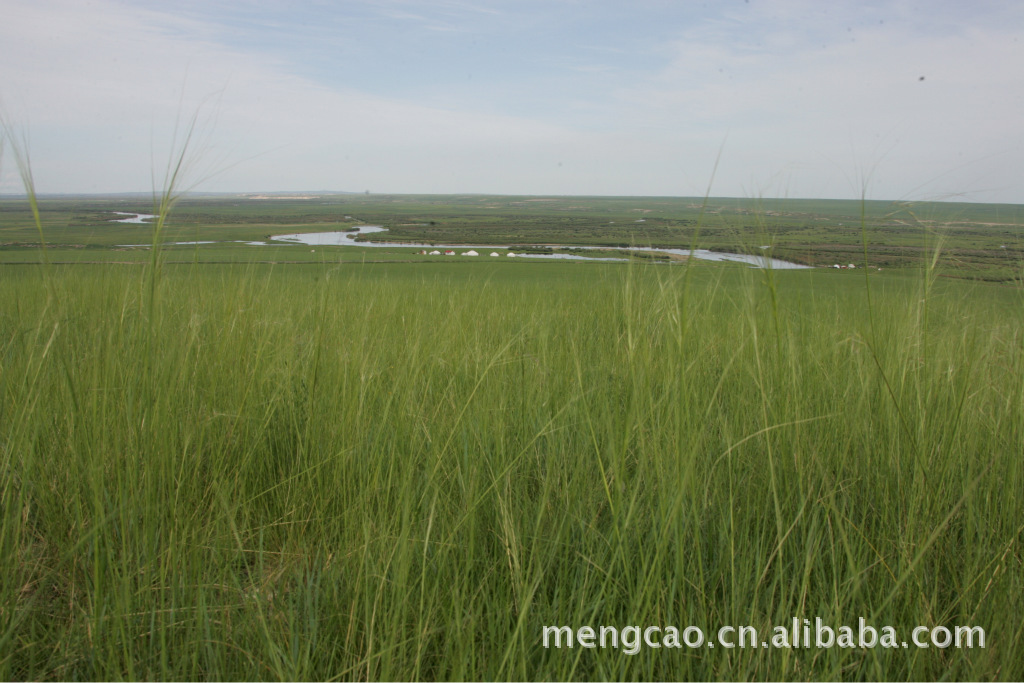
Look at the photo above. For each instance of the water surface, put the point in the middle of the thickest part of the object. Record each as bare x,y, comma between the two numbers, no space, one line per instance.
349,239
135,217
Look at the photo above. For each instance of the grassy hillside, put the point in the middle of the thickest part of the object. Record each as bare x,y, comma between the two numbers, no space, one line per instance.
381,471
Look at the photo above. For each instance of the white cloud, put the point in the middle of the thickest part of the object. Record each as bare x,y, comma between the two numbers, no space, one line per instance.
822,95
100,85
120,78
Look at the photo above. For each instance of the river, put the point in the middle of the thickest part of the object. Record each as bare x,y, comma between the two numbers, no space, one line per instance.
349,239
135,217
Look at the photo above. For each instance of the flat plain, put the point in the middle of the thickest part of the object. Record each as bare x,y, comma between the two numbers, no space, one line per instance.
275,462
978,241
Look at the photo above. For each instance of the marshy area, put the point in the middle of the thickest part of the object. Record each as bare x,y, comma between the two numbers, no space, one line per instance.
958,240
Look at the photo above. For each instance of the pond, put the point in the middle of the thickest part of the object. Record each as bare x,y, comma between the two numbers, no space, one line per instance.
135,217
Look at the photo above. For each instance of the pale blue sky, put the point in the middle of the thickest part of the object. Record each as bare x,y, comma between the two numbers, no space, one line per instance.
798,98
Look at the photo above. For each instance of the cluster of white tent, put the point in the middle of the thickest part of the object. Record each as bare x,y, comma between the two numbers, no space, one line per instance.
451,252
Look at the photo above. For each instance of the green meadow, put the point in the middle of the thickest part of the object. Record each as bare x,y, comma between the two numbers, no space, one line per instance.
973,241
235,462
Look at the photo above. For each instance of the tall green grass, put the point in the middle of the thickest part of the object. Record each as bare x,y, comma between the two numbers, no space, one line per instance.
387,472
384,472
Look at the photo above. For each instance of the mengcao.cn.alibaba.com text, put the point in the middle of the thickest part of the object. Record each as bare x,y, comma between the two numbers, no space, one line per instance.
800,633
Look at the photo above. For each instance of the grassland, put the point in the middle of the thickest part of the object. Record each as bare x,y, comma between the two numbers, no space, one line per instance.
381,471
975,241
233,462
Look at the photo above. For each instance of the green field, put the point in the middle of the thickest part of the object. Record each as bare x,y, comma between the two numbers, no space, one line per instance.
975,241
235,462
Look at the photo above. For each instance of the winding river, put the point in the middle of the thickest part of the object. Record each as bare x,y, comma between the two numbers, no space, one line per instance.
349,239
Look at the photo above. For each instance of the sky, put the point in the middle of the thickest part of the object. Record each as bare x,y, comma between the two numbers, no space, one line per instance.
892,99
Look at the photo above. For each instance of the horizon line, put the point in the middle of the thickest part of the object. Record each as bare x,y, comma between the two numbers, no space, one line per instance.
255,194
